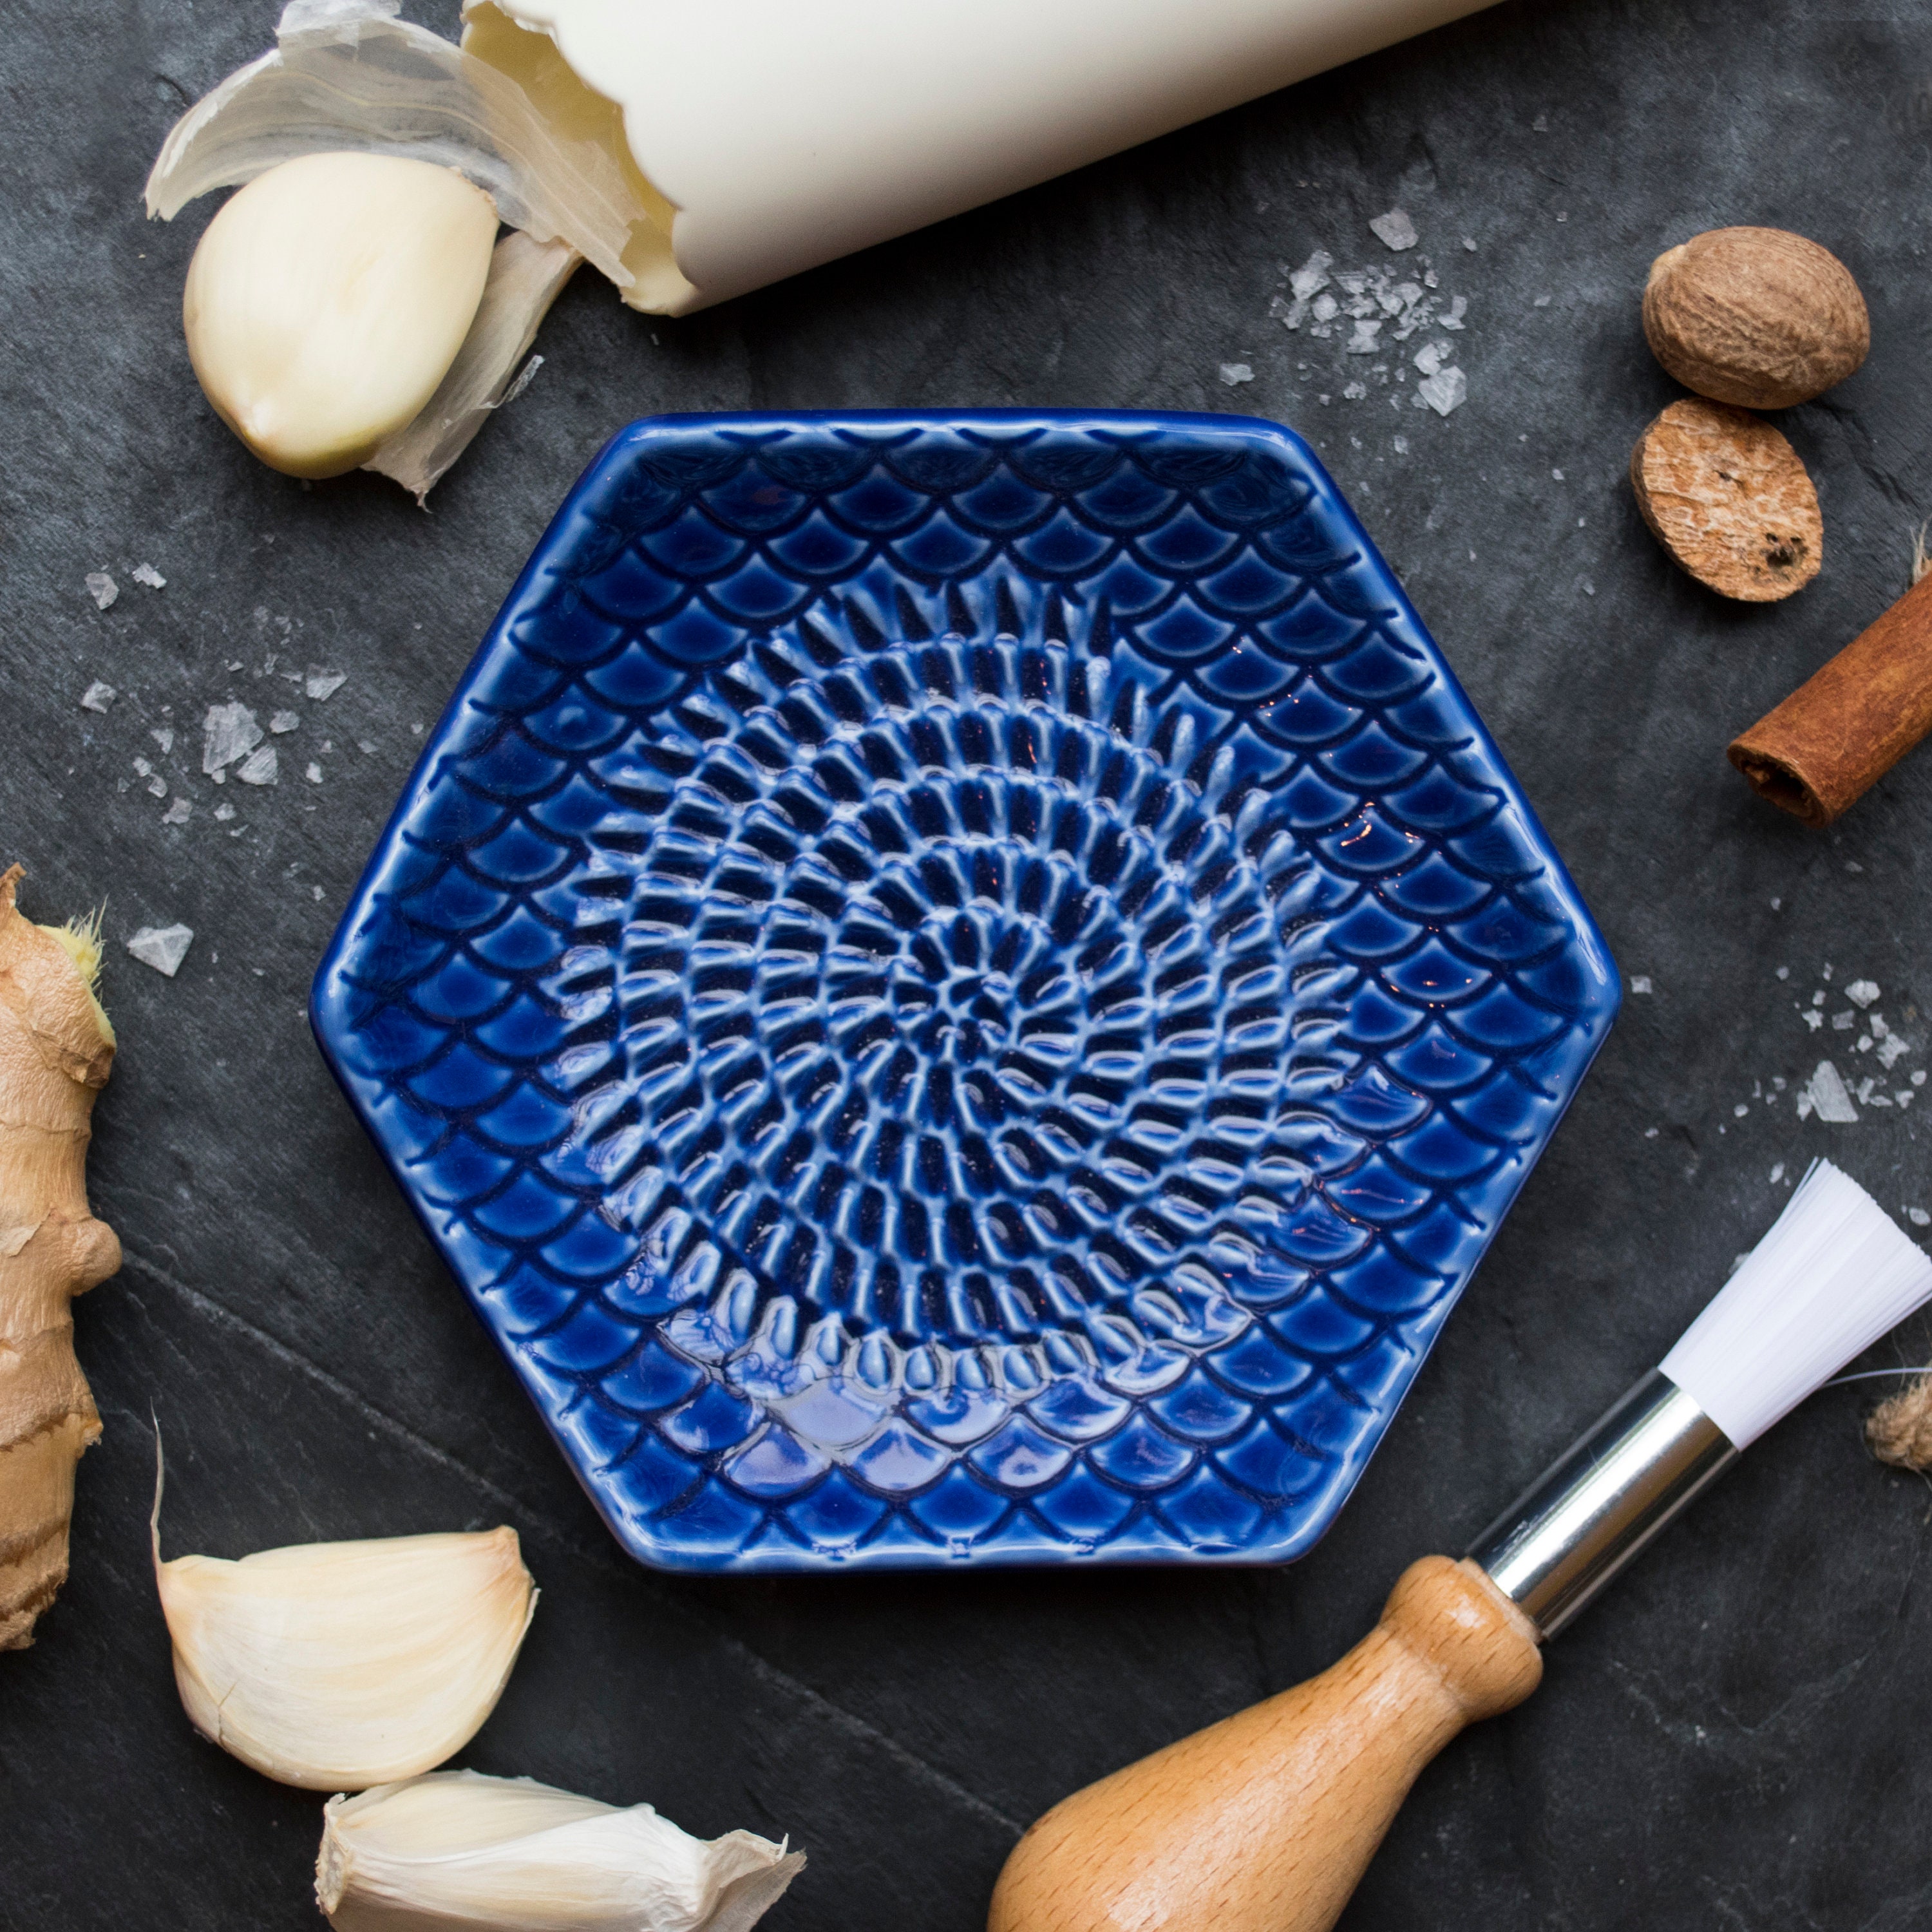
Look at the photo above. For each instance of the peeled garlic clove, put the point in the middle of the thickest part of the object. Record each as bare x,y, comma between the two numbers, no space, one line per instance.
328,298
459,1851
335,1666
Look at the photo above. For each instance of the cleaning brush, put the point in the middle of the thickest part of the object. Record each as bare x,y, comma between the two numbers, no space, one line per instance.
1265,1822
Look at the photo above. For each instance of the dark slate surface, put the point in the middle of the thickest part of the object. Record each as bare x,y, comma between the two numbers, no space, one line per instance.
1734,1737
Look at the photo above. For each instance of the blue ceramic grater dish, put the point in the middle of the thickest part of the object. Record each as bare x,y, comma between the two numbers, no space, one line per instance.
962,989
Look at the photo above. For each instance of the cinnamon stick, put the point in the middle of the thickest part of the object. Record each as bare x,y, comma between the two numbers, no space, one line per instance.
1843,729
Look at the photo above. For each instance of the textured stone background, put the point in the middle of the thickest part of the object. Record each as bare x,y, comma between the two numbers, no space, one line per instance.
1736,1737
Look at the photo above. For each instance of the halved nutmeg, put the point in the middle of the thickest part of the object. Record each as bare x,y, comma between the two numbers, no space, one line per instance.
1729,500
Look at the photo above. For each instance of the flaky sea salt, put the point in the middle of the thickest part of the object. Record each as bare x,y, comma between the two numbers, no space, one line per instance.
321,684
178,813
98,696
146,573
1394,230
229,732
1448,389
101,588
163,947
163,735
260,768
1232,373
1640,983
284,721
313,774
1861,992
1829,1098
1431,356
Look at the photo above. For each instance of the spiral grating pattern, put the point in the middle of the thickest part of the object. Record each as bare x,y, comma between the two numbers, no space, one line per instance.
962,990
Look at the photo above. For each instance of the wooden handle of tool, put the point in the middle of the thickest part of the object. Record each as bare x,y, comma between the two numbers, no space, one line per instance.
1265,1822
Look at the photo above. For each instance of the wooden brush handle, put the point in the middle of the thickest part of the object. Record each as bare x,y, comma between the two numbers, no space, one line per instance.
1265,1822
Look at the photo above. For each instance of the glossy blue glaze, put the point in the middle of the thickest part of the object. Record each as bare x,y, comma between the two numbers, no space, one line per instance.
962,989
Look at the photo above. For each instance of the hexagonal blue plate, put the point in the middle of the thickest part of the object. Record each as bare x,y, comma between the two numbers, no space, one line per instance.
962,989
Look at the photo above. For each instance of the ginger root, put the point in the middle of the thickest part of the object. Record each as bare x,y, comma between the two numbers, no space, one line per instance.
56,1049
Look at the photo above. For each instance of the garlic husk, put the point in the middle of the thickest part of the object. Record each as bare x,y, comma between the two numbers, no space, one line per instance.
328,299
336,1665
345,76
458,1850
525,277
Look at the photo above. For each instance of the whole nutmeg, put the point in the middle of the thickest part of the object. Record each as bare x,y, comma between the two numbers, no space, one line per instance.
1755,316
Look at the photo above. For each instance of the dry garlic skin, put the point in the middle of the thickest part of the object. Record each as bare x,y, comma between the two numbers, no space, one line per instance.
337,1665
329,298
464,1853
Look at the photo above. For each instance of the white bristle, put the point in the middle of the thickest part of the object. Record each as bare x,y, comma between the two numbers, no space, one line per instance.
1834,1274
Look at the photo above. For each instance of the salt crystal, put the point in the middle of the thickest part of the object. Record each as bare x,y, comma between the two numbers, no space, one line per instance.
142,765
1363,342
1650,1133
1779,1082
1394,230
1777,1173
367,750
1740,1111
284,721
259,768
1640,983
315,891
1818,999
1825,973
1867,1097
1853,865
1919,1217
1312,276
98,696
146,573
1919,1078
163,947
101,588
313,774
323,684
224,812
177,814
1827,1094
1541,123
1326,308
163,735
1558,474
1777,905
1431,356
1401,449
1354,392
1784,972
1861,992
1842,1022
1864,1043
1813,1018
228,732
157,787
1448,389
1469,242
1231,373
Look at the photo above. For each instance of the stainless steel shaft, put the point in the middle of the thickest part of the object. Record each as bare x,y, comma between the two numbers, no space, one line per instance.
1567,1534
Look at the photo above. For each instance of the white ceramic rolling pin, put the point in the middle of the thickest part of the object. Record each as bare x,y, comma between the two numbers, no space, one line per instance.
691,152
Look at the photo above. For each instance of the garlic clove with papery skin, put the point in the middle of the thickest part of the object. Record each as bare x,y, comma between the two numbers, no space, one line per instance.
458,1851
336,1666
328,298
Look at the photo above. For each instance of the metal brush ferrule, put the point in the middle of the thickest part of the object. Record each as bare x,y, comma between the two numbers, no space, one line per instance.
1569,1533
